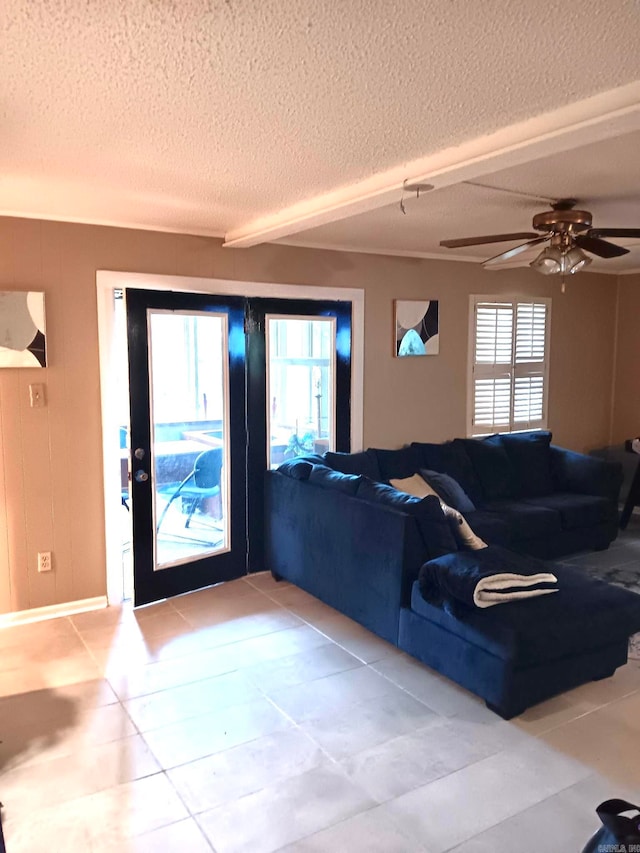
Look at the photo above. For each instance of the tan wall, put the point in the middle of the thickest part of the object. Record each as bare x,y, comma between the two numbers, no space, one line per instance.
626,408
51,479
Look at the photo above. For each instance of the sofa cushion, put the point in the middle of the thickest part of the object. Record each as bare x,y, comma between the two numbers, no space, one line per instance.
299,469
396,464
490,527
584,614
530,458
448,489
364,463
449,458
434,527
577,510
321,475
525,520
492,466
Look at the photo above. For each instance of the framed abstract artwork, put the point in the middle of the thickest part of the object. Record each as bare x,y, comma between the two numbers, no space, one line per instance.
22,329
416,327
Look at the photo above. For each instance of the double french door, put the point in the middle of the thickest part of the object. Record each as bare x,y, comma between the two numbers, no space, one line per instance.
221,388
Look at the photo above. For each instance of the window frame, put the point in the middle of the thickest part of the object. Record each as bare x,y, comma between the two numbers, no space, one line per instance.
308,361
513,369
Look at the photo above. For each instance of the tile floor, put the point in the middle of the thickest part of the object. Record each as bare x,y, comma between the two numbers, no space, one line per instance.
251,717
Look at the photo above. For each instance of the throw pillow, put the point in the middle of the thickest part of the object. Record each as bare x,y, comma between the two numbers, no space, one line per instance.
415,486
530,457
448,489
420,488
467,539
449,458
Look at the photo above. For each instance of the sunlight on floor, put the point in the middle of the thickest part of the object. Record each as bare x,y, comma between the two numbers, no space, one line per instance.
251,717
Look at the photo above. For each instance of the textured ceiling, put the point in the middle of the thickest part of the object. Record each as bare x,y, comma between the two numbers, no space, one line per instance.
204,116
603,177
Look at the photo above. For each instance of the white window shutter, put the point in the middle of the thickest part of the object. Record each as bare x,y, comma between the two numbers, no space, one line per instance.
528,401
510,365
492,379
531,326
492,402
530,367
494,333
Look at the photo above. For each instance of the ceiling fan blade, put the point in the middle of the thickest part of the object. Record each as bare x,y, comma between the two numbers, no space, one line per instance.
601,248
494,238
511,253
614,232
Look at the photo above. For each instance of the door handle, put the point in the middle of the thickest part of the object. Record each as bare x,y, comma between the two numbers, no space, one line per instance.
141,476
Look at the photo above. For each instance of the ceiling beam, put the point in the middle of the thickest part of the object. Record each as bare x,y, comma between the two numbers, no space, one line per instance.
600,117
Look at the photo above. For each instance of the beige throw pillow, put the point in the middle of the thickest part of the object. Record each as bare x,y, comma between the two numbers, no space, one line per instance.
419,488
468,539
415,486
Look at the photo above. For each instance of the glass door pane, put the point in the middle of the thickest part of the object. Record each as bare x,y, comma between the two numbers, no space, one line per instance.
189,425
301,382
187,394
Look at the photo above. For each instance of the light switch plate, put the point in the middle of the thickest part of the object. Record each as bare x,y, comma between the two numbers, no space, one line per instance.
36,395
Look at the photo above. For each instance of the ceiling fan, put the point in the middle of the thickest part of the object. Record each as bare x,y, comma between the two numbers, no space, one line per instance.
569,234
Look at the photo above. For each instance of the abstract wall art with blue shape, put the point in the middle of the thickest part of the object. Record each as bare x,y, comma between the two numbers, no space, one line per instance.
417,327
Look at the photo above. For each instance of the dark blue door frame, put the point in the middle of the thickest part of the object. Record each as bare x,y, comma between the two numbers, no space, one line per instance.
247,427
257,463
150,585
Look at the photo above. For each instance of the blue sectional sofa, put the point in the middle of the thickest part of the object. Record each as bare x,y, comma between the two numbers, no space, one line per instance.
521,491
337,529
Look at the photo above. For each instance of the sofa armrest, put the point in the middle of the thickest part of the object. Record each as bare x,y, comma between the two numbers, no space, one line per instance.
587,475
358,557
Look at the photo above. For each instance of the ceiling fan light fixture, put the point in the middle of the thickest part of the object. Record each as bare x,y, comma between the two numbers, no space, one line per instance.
575,260
549,261
556,261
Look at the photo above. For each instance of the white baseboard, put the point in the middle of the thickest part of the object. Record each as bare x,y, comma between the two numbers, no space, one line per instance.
38,614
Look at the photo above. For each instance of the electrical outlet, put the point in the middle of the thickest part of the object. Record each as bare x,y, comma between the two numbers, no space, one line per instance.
44,561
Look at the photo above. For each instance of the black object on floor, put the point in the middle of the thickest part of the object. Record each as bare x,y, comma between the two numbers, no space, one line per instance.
617,832
633,498
3,849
